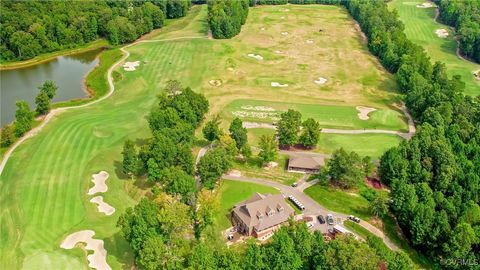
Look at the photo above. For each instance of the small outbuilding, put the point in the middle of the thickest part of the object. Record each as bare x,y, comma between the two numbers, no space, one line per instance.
307,164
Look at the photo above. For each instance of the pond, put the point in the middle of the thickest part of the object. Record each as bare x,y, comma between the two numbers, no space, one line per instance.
67,72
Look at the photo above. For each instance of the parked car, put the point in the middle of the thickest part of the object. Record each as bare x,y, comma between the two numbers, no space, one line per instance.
354,219
321,219
330,220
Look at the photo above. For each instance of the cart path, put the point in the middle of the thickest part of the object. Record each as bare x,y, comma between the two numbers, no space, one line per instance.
312,207
58,111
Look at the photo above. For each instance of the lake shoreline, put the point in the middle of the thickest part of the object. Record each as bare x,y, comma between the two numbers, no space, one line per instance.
46,57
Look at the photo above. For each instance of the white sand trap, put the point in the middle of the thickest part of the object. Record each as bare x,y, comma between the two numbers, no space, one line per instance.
364,111
284,33
441,33
256,56
425,5
102,206
235,173
249,125
283,17
131,66
97,260
476,74
99,180
279,52
309,41
320,81
277,84
216,83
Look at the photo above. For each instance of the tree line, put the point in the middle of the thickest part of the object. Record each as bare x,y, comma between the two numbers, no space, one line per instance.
225,17
465,17
30,28
24,116
434,177
160,231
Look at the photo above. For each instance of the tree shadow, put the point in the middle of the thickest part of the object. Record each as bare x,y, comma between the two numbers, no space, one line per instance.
118,247
119,170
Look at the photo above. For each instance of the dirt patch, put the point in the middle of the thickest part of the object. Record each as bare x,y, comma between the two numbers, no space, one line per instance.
425,5
441,33
320,81
364,111
216,83
131,66
373,182
256,56
99,181
270,165
277,84
96,260
102,206
235,173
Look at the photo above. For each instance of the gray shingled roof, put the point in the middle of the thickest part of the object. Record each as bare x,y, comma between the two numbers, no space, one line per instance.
248,209
311,163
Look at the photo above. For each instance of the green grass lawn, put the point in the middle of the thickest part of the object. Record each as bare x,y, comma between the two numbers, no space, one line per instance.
329,116
253,168
373,145
233,192
420,28
340,201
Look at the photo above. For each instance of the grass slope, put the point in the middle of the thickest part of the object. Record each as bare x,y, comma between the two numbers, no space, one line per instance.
420,28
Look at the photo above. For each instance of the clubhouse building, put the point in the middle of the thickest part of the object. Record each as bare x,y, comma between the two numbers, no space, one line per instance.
261,215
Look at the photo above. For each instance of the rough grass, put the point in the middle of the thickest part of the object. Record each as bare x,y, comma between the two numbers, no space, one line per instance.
233,192
420,28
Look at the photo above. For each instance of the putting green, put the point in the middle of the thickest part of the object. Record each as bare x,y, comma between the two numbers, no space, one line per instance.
329,116
420,27
233,192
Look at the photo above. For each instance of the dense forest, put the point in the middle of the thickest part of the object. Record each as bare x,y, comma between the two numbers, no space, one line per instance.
226,18
434,177
465,17
29,28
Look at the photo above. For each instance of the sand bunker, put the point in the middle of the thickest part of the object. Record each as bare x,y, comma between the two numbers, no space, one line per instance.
97,260
258,108
283,17
364,111
131,66
476,74
279,52
216,83
320,81
99,183
263,28
256,56
259,115
309,41
425,5
249,125
441,33
102,206
277,84
284,33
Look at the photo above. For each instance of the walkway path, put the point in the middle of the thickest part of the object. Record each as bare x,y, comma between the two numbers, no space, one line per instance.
58,111
311,206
